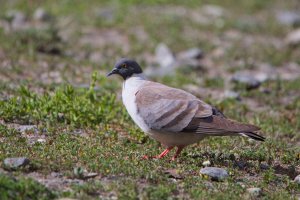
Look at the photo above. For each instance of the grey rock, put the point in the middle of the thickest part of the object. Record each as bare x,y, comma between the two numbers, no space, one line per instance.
264,166
164,56
107,14
24,128
290,18
216,173
41,15
249,80
194,53
293,38
18,20
232,95
14,163
213,10
297,179
255,192
261,77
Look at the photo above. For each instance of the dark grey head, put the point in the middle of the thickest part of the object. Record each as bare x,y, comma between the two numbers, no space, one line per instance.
126,67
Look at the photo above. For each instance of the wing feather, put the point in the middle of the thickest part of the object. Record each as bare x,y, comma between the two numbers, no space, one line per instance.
169,109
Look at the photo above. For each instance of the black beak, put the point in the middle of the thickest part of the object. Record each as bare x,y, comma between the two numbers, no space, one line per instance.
114,71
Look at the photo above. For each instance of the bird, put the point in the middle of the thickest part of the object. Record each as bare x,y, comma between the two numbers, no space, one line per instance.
172,116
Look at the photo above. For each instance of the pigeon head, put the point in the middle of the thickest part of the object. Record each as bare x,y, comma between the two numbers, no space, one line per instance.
126,68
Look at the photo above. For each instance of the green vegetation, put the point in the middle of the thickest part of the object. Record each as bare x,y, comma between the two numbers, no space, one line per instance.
55,81
11,188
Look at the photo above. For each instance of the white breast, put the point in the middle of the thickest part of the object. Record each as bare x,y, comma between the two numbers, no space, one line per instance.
130,88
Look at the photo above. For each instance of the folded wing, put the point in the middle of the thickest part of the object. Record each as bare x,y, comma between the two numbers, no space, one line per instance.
169,109
172,110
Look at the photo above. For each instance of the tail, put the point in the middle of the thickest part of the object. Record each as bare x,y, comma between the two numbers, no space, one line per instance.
254,136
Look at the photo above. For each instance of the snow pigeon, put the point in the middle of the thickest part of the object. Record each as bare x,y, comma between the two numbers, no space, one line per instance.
172,116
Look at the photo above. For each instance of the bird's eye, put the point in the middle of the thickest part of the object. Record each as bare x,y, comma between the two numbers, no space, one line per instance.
124,65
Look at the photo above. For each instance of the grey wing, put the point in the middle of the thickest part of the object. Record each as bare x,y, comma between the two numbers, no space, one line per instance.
217,125
168,109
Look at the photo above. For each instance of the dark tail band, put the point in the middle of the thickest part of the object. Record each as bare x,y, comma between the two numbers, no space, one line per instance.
255,136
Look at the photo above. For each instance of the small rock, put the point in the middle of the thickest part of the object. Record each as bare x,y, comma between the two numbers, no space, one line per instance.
248,79
213,10
261,77
164,56
106,14
206,163
297,179
14,163
255,192
24,128
241,164
293,38
216,174
232,95
90,175
194,53
41,140
41,15
18,20
288,18
82,173
264,166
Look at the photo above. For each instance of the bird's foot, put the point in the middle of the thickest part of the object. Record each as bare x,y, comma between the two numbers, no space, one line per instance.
163,154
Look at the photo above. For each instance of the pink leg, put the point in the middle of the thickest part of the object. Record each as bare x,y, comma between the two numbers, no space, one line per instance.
179,149
163,154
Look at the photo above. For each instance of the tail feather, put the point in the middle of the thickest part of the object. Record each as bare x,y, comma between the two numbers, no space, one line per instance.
254,136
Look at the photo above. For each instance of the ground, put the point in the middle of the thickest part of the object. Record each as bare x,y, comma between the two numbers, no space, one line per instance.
59,110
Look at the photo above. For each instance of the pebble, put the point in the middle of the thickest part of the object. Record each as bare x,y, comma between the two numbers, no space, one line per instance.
18,20
297,179
232,95
290,18
41,15
164,56
41,140
248,79
213,10
216,173
14,163
206,163
255,192
293,38
24,128
264,166
194,53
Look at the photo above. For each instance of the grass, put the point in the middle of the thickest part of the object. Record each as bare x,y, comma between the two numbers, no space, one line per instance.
11,188
54,85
